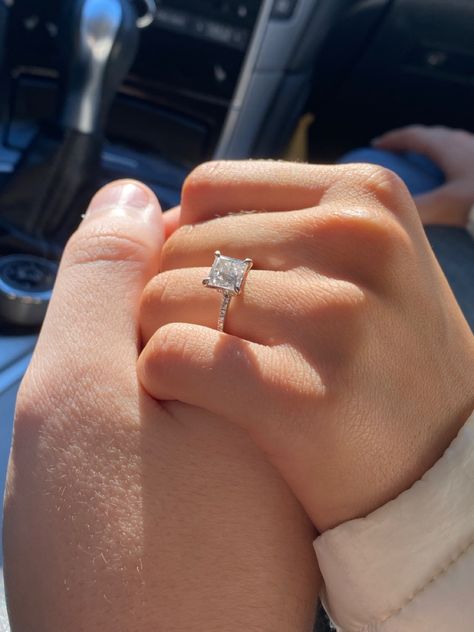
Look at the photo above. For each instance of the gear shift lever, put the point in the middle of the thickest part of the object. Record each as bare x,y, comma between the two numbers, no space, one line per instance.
100,40
41,204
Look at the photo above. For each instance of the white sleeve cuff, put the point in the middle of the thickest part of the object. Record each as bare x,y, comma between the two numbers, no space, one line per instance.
409,566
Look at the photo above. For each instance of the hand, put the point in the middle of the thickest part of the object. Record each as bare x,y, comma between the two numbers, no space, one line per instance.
121,514
453,152
346,357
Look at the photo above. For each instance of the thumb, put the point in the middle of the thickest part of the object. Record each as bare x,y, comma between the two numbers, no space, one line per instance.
444,206
104,269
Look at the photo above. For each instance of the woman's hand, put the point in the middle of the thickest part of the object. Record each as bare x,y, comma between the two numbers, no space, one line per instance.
121,514
346,357
453,151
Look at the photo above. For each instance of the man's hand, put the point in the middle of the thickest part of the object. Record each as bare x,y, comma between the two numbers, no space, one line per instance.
346,357
121,514
453,152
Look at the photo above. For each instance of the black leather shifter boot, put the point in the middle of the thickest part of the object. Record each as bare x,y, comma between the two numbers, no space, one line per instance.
41,204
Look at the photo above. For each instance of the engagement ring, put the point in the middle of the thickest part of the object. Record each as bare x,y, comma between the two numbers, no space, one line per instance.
228,276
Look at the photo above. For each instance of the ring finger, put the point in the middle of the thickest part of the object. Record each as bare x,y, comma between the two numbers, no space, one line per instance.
258,314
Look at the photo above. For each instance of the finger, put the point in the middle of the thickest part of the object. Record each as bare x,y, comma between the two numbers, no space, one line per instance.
443,206
429,141
273,241
334,241
171,220
223,374
258,314
105,267
219,188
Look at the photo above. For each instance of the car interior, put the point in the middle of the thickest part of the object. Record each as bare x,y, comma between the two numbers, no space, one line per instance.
96,90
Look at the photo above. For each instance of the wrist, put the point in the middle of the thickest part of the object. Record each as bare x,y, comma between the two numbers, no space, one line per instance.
429,528
368,485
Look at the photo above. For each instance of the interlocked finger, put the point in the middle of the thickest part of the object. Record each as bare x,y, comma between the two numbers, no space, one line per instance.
260,313
274,241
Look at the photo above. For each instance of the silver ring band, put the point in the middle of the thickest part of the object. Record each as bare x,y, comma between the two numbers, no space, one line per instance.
228,276
226,299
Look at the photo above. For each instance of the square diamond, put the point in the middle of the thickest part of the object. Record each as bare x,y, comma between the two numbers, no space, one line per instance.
228,274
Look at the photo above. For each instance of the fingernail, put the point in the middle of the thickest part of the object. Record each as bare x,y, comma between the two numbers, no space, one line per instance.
124,194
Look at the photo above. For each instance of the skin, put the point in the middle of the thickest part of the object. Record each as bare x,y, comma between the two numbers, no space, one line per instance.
453,151
139,508
124,514
346,358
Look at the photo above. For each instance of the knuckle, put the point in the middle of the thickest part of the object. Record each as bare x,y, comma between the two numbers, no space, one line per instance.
384,246
155,293
383,232
171,341
384,186
375,177
167,348
389,238
104,244
336,223
176,245
357,225
360,241
202,175
311,226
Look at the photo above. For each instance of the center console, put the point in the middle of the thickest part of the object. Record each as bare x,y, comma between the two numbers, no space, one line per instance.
176,97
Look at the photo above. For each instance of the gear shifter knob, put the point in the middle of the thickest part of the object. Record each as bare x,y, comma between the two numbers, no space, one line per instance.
99,44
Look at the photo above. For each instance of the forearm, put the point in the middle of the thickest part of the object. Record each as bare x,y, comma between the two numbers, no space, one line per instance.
193,532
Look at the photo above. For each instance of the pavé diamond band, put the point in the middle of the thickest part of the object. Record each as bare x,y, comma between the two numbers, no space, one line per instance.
228,276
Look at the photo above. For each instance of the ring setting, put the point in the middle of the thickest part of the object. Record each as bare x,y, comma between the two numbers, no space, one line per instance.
228,277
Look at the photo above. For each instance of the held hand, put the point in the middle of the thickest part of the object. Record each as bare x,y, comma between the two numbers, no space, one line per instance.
121,514
346,357
453,152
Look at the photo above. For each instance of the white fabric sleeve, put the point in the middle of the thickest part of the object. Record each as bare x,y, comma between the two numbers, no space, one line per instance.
409,566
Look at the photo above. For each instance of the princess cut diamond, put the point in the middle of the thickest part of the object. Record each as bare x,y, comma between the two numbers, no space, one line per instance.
228,274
